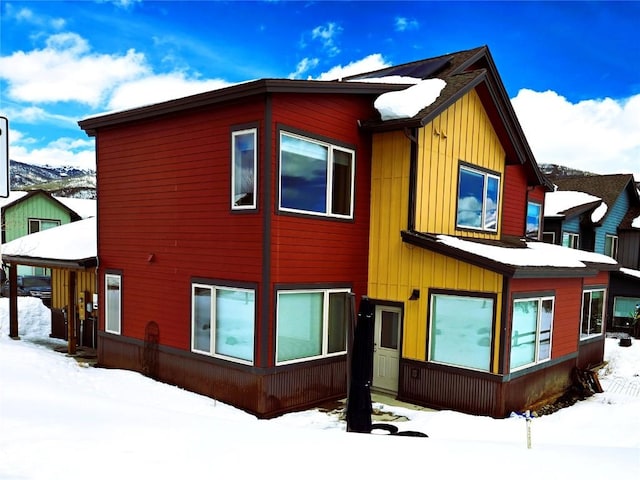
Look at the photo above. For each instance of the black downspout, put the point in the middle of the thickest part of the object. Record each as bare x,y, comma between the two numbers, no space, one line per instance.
412,135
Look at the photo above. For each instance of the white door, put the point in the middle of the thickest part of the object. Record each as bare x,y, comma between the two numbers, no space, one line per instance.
386,348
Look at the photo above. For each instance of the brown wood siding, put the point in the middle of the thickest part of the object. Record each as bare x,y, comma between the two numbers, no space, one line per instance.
168,195
262,392
442,387
514,206
567,310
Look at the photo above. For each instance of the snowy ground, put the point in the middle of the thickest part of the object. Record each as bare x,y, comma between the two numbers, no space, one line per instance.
60,420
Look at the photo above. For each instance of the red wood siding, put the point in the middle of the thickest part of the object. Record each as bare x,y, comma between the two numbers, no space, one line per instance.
308,249
165,190
514,204
568,304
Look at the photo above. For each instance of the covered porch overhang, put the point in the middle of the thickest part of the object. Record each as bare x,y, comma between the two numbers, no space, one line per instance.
72,266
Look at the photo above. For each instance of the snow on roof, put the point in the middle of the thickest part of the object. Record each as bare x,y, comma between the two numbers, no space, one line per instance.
599,213
84,207
408,102
71,241
630,272
534,254
555,203
394,79
636,223
13,196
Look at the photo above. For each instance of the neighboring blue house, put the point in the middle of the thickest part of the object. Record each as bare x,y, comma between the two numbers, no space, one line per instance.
606,220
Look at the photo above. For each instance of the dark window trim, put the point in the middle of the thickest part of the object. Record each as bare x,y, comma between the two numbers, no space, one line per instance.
486,171
464,293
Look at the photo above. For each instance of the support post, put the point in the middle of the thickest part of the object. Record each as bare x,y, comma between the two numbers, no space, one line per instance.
13,302
71,314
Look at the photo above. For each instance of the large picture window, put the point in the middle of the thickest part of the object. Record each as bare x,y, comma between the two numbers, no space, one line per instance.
243,172
592,313
113,303
223,322
461,331
531,331
315,177
311,324
478,196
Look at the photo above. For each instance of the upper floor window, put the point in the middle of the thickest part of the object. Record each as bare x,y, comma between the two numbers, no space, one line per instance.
40,224
478,195
531,331
570,240
592,312
113,303
222,321
244,167
534,220
315,177
611,246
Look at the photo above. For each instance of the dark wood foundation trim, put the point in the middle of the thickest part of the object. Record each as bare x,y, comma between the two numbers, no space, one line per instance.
443,387
265,393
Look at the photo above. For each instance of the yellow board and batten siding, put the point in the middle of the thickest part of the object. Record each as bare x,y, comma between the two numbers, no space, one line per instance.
462,132
85,286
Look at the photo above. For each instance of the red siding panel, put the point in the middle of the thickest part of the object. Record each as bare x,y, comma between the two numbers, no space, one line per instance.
514,205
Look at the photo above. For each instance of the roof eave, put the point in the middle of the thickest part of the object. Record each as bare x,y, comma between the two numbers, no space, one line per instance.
82,263
234,92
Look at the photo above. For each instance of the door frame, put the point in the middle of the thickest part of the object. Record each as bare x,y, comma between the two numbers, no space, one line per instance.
395,306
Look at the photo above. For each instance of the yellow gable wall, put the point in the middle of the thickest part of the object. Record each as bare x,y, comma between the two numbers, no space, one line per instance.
396,268
463,132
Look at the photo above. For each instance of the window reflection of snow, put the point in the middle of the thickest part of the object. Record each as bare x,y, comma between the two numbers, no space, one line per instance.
461,331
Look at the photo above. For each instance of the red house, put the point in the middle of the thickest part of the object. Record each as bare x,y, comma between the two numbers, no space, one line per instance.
237,228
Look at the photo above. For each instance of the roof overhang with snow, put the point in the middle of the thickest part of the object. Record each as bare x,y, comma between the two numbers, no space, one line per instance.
515,258
71,246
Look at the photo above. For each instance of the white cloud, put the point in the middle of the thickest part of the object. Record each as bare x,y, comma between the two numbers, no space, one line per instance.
26,15
304,66
159,88
73,152
368,64
326,34
66,70
600,136
402,24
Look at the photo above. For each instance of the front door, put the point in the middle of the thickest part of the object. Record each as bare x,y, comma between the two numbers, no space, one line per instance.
386,348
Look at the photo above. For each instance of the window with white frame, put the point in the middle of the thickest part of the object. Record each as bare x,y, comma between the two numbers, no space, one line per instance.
549,237
532,322
113,303
570,240
478,196
534,220
311,324
460,330
315,177
40,224
611,245
223,322
244,167
592,312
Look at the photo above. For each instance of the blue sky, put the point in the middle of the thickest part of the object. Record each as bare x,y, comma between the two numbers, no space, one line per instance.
571,68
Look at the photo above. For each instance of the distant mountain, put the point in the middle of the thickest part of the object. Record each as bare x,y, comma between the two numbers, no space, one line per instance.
60,181
554,171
